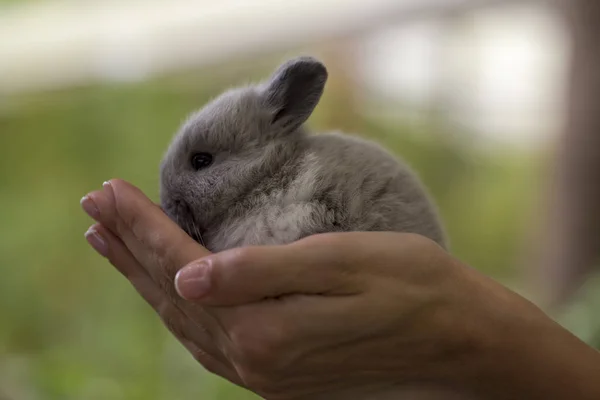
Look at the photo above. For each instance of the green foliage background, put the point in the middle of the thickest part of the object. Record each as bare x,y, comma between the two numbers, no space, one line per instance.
72,328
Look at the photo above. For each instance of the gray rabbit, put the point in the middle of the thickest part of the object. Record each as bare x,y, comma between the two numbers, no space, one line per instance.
243,171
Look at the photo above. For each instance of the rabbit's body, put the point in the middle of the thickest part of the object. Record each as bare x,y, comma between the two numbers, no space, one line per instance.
337,183
270,182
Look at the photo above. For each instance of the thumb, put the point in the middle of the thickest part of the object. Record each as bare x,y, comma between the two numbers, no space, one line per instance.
250,274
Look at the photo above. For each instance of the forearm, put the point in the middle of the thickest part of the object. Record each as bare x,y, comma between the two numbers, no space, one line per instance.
502,347
547,362
529,356
540,363
495,346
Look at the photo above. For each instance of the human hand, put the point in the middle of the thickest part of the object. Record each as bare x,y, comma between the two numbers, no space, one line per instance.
352,315
148,248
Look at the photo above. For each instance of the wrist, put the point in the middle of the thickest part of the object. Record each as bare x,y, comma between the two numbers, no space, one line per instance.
546,361
525,354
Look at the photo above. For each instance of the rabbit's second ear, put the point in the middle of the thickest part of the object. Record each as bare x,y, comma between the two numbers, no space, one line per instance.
294,91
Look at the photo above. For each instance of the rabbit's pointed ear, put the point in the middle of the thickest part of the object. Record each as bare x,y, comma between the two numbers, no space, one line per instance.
294,90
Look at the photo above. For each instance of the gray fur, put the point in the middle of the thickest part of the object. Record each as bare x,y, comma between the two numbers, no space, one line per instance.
271,182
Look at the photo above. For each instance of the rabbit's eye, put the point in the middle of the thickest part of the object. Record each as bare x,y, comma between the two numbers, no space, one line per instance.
201,160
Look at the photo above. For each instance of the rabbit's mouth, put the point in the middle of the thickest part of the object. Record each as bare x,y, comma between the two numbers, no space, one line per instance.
180,213
197,236
192,229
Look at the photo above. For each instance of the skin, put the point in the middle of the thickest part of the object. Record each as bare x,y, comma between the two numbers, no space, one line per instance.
340,316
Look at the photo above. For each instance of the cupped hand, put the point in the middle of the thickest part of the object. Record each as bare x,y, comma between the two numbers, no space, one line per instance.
148,249
333,316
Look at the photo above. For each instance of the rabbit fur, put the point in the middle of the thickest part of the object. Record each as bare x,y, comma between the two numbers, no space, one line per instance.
269,181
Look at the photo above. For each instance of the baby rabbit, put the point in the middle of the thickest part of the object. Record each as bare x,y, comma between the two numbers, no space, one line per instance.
243,170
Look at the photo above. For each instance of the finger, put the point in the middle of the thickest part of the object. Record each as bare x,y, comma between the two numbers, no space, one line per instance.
170,314
300,317
319,266
279,334
155,242
158,244
120,257
151,226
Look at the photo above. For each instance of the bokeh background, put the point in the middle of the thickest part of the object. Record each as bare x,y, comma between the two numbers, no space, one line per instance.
472,94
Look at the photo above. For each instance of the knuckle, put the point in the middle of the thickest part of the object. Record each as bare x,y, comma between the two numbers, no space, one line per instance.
126,220
326,240
238,257
421,245
420,241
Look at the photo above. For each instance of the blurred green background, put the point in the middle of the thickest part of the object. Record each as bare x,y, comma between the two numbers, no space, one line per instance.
72,328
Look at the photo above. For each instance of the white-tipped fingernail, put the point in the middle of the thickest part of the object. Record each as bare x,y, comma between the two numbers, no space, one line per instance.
96,240
193,282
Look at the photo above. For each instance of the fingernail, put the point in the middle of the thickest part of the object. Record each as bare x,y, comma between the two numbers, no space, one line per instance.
106,184
97,241
193,281
89,207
